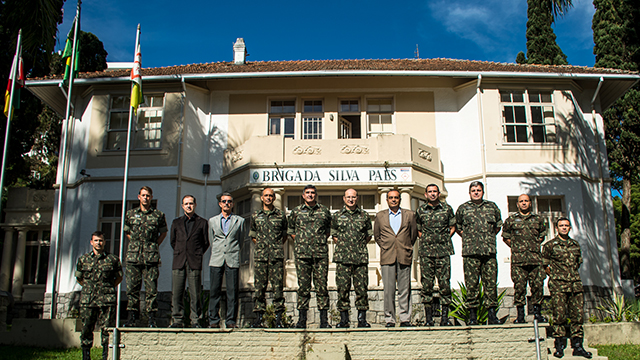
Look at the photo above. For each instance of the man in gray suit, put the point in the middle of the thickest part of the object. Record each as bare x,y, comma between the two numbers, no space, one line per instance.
395,232
226,233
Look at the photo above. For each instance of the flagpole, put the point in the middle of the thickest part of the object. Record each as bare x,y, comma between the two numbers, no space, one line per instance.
63,177
125,184
13,74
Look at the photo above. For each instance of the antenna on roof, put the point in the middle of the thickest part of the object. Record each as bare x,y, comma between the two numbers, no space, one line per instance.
417,52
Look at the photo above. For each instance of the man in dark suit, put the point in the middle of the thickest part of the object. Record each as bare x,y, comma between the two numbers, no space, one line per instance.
189,240
395,232
226,233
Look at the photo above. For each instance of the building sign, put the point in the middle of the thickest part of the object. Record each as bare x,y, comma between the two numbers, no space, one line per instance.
330,175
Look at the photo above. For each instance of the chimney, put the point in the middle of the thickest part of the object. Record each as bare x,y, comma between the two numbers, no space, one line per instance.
239,52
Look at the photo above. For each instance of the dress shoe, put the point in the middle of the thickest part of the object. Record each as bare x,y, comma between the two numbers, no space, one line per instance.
214,326
231,325
390,324
196,326
176,326
405,324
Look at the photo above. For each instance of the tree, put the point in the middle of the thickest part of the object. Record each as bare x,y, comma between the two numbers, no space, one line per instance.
634,225
617,46
541,40
39,21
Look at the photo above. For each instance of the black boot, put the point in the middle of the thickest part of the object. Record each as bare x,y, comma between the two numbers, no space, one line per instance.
152,319
279,324
132,318
560,344
257,323
105,351
444,316
537,313
362,319
492,318
520,319
344,320
302,320
428,315
578,350
473,317
324,323
86,353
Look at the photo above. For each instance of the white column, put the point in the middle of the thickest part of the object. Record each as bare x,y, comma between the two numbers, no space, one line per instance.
256,204
7,252
405,196
18,268
383,197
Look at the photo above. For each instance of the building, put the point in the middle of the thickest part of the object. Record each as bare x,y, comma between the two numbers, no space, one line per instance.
372,125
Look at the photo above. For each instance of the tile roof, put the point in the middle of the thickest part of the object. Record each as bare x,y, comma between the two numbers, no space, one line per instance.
353,65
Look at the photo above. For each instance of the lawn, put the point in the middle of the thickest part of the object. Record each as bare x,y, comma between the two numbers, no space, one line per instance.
619,352
34,353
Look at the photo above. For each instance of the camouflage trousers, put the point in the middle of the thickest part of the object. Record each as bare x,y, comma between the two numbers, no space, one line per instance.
534,275
135,275
567,306
104,316
432,268
483,267
359,274
268,272
318,269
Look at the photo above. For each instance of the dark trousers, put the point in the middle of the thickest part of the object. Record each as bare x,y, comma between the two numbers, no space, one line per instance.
231,275
136,273
483,267
179,279
104,316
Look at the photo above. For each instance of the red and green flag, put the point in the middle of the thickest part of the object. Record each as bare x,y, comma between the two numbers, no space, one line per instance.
17,76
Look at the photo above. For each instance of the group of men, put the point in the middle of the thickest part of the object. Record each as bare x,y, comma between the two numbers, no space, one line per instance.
395,230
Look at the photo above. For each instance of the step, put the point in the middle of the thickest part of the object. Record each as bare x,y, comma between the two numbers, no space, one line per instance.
568,351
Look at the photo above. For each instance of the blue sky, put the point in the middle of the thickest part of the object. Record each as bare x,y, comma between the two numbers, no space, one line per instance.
189,32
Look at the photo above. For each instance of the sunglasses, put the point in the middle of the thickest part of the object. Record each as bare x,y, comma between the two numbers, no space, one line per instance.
226,201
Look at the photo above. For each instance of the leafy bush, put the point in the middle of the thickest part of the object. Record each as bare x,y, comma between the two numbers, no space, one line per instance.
459,304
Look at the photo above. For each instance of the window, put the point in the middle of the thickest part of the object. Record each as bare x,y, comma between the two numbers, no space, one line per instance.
109,221
550,207
148,131
312,119
282,118
349,119
37,257
528,117
379,114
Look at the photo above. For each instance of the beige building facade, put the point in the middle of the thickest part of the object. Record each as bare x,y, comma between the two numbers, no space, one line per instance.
371,125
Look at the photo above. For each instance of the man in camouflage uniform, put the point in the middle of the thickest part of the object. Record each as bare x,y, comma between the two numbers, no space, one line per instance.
523,232
145,229
562,259
309,226
436,223
478,221
268,232
351,230
99,273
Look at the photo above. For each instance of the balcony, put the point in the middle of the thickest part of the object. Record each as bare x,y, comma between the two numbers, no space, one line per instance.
385,159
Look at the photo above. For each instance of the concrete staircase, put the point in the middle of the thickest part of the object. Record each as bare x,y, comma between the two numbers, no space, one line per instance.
459,342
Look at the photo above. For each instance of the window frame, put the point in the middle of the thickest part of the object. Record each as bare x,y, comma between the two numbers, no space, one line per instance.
284,118
380,113
42,245
312,120
532,124
137,132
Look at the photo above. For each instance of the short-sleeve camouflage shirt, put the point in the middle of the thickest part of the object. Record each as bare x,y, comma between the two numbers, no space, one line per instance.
99,274
479,224
311,226
435,222
564,258
526,233
144,227
353,229
268,228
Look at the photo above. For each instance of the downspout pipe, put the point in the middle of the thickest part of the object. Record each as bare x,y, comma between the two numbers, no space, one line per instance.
180,144
603,197
483,145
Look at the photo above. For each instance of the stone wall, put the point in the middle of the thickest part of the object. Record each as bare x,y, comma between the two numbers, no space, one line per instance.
68,305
